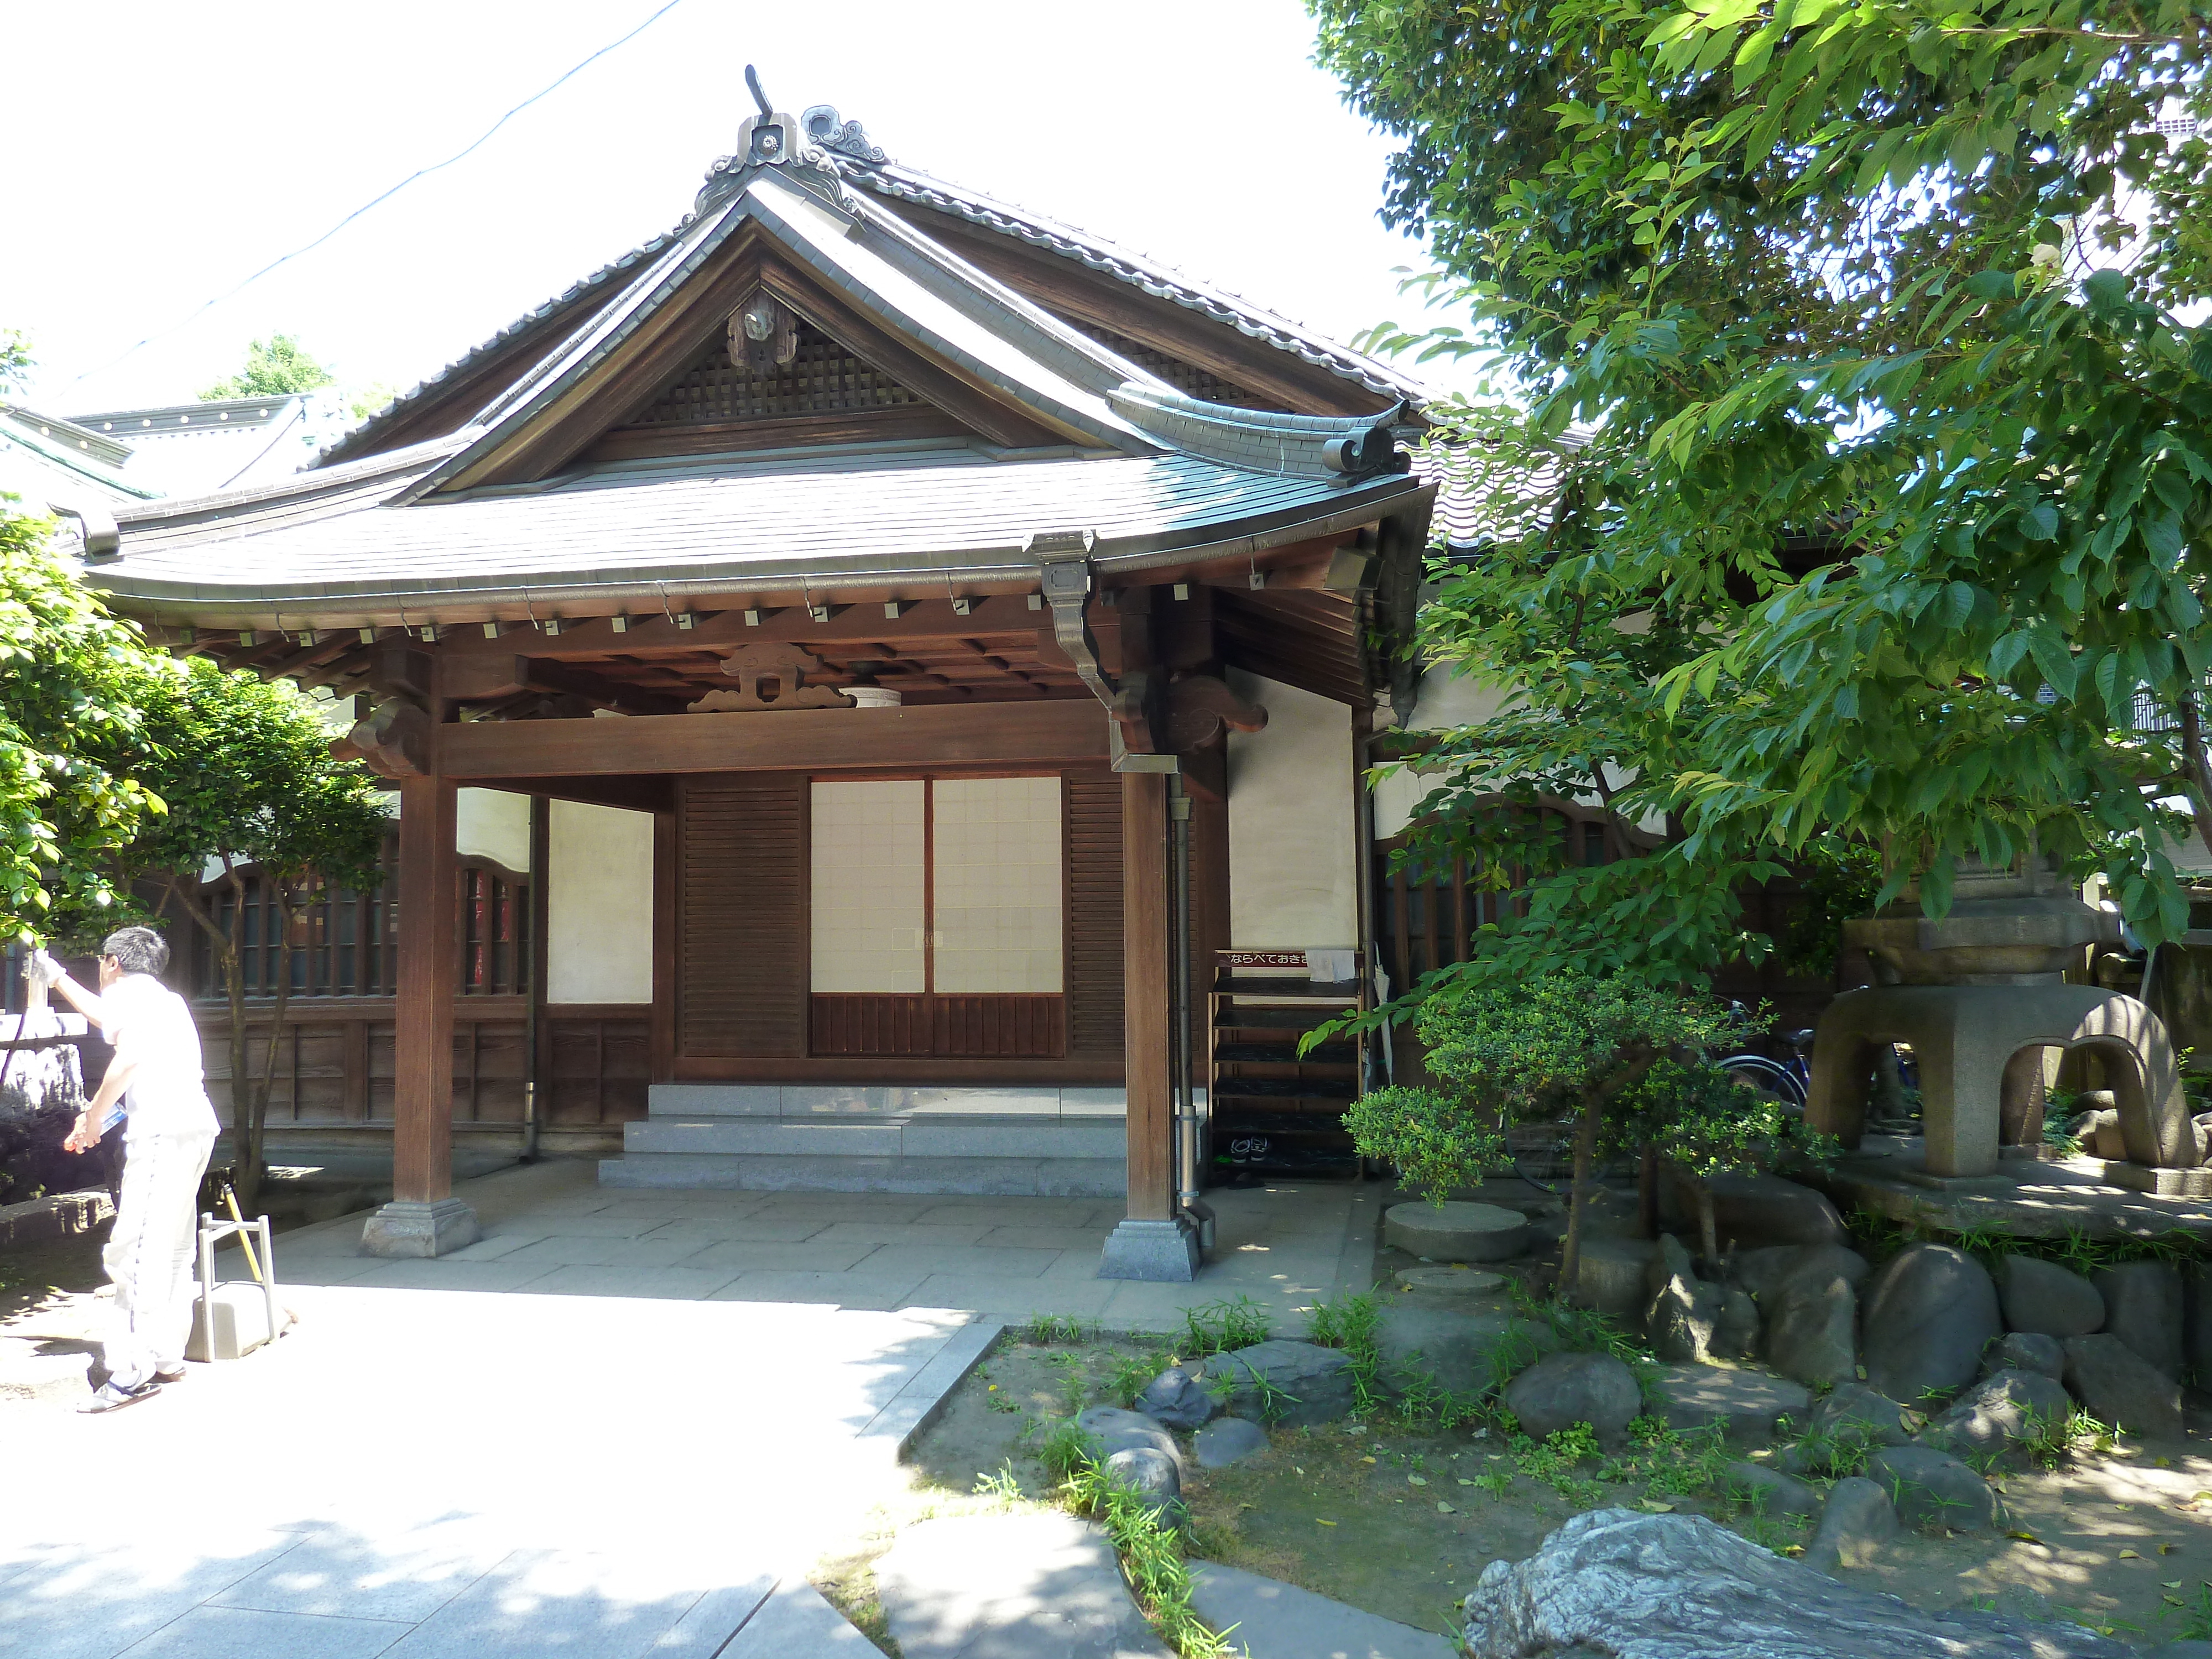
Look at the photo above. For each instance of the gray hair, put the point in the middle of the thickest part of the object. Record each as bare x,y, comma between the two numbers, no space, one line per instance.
137,950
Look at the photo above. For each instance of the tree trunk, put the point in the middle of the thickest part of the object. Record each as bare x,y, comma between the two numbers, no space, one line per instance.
254,1114
1647,1191
2196,768
1709,1239
1571,1255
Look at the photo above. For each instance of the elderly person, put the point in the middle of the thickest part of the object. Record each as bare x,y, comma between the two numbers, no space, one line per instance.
169,1129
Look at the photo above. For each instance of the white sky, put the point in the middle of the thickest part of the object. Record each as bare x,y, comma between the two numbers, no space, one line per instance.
182,147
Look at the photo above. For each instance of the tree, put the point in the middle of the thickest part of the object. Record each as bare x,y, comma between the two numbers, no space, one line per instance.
1852,482
1620,1058
275,368
69,680
245,767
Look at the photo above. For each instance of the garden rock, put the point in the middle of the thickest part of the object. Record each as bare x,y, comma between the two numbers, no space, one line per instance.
1811,1321
1456,1232
1615,1582
1293,1383
1765,1270
2023,1350
1933,1489
1153,1476
1765,1209
984,1585
1567,1389
1748,1405
1611,1275
1855,1522
2196,1323
2181,1650
2122,1389
1110,1430
1668,1258
1846,1424
2000,1413
1282,1621
1177,1398
1736,1336
2046,1299
1683,1319
1228,1440
1929,1313
2143,1307
1464,1353
1770,1492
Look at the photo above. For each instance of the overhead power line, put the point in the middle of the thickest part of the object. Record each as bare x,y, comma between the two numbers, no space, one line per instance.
419,172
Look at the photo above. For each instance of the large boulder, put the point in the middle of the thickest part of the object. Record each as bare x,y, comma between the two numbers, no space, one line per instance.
2045,1299
1933,1491
1750,1405
1684,1316
1638,1586
1999,1414
1765,1270
1566,1389
2143,1307
2196,1323
1929,1313
1765,1209
1296,1384
1812,1320
2121,1388
1855,1522
1736,1336
1455,1231
2024,1350
1846,1425
1464,1353
1611,1273
1177,1397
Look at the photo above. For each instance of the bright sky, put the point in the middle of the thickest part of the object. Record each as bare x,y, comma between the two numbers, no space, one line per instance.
181,146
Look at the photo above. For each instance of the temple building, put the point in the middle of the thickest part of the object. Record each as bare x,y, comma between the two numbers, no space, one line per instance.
876,683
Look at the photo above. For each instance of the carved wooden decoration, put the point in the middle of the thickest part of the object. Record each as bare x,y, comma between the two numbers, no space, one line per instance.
772,675
393,742
1198,706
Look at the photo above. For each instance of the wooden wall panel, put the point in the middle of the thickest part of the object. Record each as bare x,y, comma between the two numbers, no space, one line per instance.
599,1064
870,1024
741,915
945,1026
1094,914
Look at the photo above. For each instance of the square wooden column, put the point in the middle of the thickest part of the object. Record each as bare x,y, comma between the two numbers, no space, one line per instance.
1154,1242
424,1218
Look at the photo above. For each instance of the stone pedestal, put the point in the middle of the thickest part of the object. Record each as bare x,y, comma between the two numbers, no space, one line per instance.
408,1229
1163,1252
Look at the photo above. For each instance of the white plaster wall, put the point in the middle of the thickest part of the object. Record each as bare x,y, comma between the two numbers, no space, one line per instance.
492,823
599,896
1293,848
1448,699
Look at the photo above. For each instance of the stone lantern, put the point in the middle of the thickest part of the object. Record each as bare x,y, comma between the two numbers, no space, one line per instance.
1979,993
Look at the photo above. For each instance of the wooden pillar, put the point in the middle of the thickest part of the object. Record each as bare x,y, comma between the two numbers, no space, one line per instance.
1145,923
424,1218
1154,1242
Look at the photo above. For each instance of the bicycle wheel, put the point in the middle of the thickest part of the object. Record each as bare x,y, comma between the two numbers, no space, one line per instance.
1770,1078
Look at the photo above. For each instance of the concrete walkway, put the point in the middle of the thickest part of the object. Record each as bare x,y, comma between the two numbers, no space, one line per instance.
549,1230
614,1426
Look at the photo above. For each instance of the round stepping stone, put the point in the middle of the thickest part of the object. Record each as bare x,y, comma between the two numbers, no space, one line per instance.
1230,1440
1456,1232
1458,1281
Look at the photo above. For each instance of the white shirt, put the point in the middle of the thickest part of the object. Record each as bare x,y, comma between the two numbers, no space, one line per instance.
167,1094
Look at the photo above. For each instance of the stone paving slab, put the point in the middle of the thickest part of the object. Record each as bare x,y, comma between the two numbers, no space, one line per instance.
1009,1587
796,1623
1270,1619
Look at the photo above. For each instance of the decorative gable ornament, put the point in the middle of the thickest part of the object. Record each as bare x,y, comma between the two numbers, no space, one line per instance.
772,675
846,137
773,139
763,333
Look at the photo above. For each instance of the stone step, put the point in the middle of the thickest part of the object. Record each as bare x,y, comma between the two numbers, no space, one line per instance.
966,1137
829,1172
842,1101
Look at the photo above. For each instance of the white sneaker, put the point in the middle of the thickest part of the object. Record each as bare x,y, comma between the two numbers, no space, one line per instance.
110,1396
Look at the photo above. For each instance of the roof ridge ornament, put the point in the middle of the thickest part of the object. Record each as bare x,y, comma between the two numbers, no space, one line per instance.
773,138
826,129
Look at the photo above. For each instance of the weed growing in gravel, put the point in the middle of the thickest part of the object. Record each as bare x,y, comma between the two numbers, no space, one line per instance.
1045,1329
2195,1615
2050,1438
1554,1462
1670,1463
1152,1559
1219,1327
1350,1324
1132,1372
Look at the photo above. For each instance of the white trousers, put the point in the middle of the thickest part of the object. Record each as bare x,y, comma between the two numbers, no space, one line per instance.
151,1254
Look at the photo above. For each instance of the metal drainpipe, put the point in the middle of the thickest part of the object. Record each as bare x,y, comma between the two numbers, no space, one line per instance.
540,839
1192,1205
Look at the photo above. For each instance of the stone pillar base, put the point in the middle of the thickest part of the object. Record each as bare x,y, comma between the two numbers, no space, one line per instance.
416,1228
1164,1252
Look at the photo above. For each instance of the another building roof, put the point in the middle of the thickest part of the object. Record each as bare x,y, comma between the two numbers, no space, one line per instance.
50,462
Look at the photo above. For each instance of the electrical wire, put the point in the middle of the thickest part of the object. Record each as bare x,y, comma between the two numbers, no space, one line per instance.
419,172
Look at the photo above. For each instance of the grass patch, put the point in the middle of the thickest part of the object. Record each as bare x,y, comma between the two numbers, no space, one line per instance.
1222,1326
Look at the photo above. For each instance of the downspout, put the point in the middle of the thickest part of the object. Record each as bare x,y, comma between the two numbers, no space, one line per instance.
541,841
1188,1166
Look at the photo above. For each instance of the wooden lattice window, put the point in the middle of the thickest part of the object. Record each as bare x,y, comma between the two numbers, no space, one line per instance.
1426,912
823,379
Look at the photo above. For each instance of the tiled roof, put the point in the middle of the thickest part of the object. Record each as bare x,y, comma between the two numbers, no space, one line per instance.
912,513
